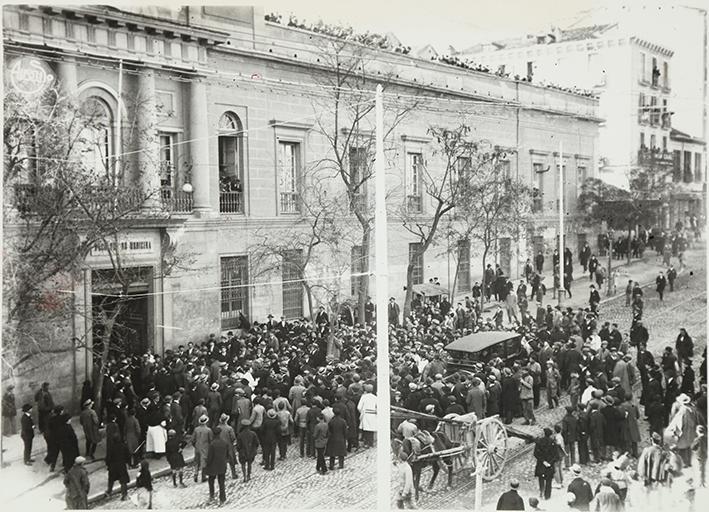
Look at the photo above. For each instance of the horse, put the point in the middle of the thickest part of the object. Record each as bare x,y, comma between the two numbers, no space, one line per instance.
424,443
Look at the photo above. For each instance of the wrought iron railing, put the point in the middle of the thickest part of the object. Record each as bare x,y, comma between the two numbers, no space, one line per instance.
290,202
231,202
176,201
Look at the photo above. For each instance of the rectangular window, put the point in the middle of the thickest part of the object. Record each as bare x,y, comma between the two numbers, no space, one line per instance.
676,166
654,112
464,168
288,176
643,67
642,113
642,140
653,142
234,290
688,167
655,73
580,178
167,163
697,167
530,70
463,266
415,196
358,178
416,257
664,143
506,169
356,267
538,190
666,75
292,284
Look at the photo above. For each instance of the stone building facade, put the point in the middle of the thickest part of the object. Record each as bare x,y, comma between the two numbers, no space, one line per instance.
239,118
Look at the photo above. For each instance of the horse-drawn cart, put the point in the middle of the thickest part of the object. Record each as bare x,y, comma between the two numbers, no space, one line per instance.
461,443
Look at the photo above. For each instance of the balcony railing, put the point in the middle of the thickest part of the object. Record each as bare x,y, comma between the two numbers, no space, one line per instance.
176,201
30,198
656,158
230,202
290,202
414,204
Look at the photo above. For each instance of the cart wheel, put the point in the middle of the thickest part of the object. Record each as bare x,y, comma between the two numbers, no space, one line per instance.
491,449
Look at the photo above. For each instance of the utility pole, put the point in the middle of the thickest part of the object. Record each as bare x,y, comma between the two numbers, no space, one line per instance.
561,221
382,278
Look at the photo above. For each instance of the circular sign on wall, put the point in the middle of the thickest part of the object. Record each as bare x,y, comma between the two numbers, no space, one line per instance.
30,76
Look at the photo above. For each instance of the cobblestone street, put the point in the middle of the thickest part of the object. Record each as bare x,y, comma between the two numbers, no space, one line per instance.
294,484
685,307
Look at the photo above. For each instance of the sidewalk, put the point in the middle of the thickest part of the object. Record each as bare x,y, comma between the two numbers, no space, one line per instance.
28,486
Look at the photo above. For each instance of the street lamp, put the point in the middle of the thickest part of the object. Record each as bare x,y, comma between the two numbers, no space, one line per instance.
610,262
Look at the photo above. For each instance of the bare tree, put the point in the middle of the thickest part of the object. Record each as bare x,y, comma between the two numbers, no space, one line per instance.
491,205
66,199
346,105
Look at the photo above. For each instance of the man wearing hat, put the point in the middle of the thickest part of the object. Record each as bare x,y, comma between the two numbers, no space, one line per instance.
27,433
215,468
77,486
201,439
682,427
214,404
89,422
511,500
393,311
240,408
246,445
581,489
229,437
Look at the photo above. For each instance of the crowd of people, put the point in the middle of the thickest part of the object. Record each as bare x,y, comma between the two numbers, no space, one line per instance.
609,377
267,387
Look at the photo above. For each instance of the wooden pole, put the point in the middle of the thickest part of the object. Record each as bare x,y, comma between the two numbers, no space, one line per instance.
382,278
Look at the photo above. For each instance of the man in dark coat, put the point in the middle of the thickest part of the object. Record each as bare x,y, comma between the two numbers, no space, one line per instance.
67,441
51,436
90,423
546,453
337,439
27,433
45,404
569,431
246,446
77,486
582,434
509,397
269,438
594,299
539,262
581,489
684,345
612,430
511,500
596,432
217,457
393,312
116,463
660,284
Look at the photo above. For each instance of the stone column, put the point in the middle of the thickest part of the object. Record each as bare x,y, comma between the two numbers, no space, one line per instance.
66,76
149,157
199,147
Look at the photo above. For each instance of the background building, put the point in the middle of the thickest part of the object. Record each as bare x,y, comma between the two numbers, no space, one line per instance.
239,117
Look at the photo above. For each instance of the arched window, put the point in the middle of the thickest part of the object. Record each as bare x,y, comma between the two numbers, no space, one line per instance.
230,163
97,135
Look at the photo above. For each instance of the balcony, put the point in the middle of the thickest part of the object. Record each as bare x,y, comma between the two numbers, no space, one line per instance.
290,202
231,202
176,201
414,204
30,198
655,158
